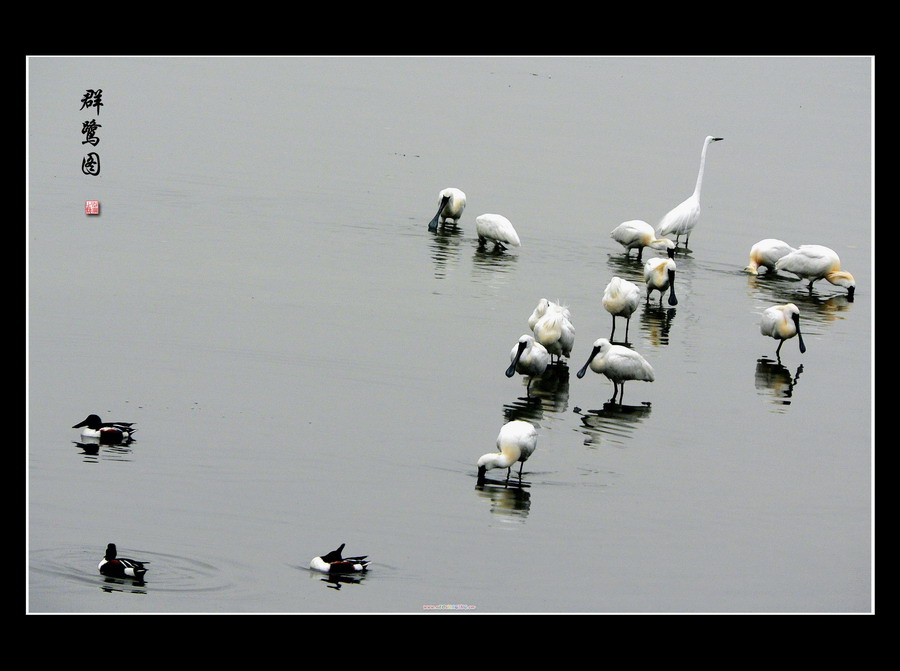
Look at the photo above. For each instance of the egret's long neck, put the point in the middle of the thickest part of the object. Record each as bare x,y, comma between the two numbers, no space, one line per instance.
700,174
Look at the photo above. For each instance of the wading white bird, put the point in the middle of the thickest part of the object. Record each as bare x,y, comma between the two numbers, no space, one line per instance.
618,364
516,442
637,234
659,274
528,358
498,229
620,299
541,309
765,254
782,322
451,203
815,262
554,330
681,219
333,562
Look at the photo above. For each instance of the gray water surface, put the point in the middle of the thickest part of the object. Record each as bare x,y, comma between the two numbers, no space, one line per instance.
308,365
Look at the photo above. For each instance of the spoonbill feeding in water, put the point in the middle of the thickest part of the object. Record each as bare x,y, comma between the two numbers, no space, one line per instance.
498,229
765,254
782,322
620,299
334,562
637,234
516,442
554,330
528,358
618,364
681,219
659,274
815,262
451,203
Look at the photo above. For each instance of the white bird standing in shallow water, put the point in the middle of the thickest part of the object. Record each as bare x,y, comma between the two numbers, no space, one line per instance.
782,322
541,309
620,299
516,442
528,358
618,364
637,234
451,203
659,274
815,262
765,254
554,330
498,229
681,219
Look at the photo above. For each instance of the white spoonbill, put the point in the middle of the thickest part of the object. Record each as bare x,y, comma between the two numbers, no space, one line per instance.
782,322
618,364
516,442
659,274
451,203
541,309
620,299
555,330
815,262
681,219
765,254
498,229
528,358
637,234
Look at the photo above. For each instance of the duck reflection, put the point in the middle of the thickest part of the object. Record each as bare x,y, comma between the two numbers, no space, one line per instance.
128,585
90,449
613,421
773,376
509,499
338,580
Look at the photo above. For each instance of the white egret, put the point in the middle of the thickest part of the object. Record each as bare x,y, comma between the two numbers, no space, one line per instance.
528,358
765,254
516,442
782,322
620,299
815,262
619,364
554,330
637,234
681,219
451,203
659,274
498,229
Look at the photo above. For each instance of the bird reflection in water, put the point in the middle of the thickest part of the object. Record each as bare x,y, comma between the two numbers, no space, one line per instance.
445,245
614,421
772,376
129,585
548,392
511,499
656,322
338,580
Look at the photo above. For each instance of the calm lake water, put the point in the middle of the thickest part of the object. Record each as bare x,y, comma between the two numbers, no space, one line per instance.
308,365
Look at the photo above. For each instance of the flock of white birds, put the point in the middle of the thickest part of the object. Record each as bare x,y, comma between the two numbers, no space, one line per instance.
552,334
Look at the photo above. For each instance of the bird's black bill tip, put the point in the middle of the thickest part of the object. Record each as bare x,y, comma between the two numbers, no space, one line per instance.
672,299
511,370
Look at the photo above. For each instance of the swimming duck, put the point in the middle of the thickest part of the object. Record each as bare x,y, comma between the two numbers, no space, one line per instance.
119,567
333,562
109,433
